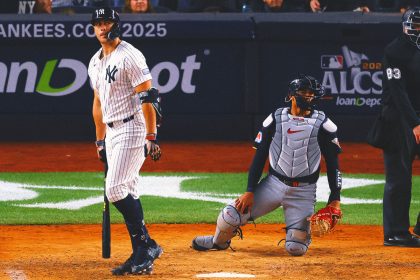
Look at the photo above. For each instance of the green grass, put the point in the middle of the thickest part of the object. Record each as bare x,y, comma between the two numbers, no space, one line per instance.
170,210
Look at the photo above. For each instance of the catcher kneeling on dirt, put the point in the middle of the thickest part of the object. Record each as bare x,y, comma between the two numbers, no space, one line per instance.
293,138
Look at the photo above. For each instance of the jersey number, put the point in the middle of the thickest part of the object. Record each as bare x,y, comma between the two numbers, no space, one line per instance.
393,73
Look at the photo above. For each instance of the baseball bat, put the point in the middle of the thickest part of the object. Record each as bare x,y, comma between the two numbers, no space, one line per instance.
106,222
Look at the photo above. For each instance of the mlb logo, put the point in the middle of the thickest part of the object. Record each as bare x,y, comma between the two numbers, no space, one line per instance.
332,62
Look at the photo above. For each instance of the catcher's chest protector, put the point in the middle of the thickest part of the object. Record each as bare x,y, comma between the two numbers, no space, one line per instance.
294,151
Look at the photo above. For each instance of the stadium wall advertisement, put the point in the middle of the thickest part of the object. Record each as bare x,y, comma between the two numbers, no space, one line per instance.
219,75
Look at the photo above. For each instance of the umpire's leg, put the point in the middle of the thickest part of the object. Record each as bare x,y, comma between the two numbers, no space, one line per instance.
397,191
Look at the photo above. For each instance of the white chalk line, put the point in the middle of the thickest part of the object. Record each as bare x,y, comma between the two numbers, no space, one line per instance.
225,275
16,274
163,186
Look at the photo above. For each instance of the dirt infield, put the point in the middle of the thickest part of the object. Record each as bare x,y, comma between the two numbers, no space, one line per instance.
73,251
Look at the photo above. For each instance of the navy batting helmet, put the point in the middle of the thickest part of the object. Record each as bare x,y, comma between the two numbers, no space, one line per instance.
108,14
411,25
305,83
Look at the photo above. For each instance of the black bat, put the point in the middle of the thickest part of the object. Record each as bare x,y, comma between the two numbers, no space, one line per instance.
106,222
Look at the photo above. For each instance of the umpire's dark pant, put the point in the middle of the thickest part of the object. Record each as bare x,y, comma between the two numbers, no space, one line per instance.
397,191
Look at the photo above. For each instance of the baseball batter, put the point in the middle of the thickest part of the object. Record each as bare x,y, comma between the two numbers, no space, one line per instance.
124,110
293,139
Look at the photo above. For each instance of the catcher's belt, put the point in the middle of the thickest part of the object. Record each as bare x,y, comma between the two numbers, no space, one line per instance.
294,183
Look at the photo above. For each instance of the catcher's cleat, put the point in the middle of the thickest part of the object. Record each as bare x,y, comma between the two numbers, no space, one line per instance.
205,243
417,227
125,268
144,258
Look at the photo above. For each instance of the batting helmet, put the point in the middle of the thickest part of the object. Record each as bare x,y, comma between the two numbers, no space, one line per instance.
108,14
305,83
411,25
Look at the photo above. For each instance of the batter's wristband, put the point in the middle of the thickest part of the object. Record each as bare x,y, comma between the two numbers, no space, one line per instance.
100,143
151,136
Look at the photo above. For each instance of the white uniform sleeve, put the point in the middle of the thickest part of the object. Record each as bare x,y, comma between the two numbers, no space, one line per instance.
92,74
136,68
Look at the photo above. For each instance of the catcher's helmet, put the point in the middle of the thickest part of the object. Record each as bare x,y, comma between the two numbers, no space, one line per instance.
411,25
108,14
305,83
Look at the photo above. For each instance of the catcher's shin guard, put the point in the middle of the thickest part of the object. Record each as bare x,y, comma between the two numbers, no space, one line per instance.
297,242
228,225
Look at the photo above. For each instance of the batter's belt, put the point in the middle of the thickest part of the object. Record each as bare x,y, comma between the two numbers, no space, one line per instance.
112,124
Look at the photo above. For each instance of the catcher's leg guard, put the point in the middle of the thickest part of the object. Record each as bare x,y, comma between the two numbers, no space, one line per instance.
228,226
297,242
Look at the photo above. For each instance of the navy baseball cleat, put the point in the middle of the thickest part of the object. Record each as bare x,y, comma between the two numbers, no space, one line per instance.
125,268
417,227
205,243
144,258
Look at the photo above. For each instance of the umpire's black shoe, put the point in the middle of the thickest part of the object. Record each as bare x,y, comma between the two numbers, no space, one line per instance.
417,227
405,240
144,258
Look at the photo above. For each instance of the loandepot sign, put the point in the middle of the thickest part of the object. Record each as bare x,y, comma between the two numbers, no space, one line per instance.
11,74
44,83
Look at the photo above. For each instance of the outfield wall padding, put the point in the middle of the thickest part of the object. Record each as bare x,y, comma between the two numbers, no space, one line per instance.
220,75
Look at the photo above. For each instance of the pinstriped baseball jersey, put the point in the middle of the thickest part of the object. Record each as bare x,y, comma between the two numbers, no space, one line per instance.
294,151
114,77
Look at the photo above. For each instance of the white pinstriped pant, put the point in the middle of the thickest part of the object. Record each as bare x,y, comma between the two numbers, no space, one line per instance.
125,156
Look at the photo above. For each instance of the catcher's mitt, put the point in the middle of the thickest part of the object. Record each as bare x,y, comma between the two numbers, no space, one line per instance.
325,220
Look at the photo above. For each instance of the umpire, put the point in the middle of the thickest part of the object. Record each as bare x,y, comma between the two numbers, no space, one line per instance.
401,129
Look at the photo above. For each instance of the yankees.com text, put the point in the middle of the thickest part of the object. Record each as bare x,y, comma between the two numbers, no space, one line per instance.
78,30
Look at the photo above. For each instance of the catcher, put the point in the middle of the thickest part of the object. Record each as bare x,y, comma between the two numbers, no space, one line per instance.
293,139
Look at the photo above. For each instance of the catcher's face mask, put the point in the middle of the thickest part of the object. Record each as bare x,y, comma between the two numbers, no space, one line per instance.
304,99
306,90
